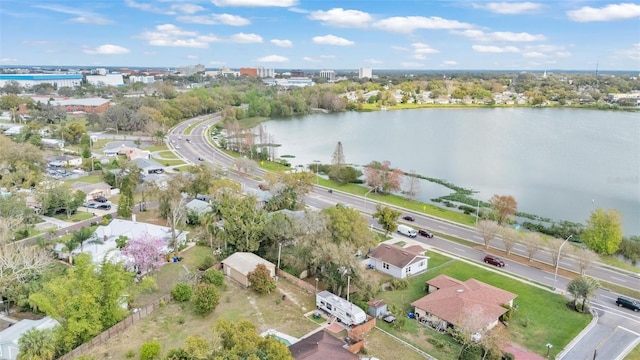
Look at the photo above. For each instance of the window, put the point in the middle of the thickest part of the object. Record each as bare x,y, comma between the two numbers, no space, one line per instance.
328,306
408,270
421,264
385,265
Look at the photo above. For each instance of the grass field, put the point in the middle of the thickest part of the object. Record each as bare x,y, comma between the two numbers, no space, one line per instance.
168,155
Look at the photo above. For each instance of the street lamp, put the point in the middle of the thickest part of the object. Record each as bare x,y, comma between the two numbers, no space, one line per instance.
317,162
555,276
317,285
477,212
365,199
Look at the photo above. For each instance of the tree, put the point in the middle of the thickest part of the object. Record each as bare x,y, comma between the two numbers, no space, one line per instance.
532,243
288,189
171,203
382,178
584,257
555,247
240,340
603,233
243,223
387,217
488,229
37,344
144,254
504,206
338,156
260,280
150,350
582,288
205,298
510,237
412,185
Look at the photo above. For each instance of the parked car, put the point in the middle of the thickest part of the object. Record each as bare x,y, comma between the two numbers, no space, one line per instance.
425,233
104,207
101,199
188,140
628,303
200,159
91,205
409,218
494,260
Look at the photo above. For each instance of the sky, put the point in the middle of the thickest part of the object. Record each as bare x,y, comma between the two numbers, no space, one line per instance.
323,34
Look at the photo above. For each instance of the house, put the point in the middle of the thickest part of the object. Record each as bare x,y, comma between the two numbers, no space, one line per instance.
9,337
198,207
262,196
320,346
450,299
65,160
398,262
148,166
240,264
93,190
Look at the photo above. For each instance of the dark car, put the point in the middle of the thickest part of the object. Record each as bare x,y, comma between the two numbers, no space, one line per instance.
101,199
104,207
494,260
628,303
425,233
200,159
188,140
409,218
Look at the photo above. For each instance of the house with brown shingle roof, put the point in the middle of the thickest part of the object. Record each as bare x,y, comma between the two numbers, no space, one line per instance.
451,300
398,262
321,346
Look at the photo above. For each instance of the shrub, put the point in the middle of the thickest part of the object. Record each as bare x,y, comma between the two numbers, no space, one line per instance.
261,280
205,298
130,354
213,277
399,284
206,263
178,354
437,343
181,292
150,350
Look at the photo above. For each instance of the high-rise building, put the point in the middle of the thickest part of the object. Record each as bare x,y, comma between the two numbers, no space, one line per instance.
330,75
365,73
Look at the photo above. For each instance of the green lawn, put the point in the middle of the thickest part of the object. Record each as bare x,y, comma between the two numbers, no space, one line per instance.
154,148
542,317
168,155
92,179
169,162
77,217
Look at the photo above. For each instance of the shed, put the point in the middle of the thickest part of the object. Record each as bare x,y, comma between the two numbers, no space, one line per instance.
240,264
377,308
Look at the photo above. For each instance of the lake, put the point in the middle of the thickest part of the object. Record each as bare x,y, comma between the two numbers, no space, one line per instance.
557,163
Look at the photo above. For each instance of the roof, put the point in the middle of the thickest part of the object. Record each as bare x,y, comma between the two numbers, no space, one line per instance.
246,262
198,206
261,196
319,346
397,256
81,102
376,303
143,163
9,336
456,297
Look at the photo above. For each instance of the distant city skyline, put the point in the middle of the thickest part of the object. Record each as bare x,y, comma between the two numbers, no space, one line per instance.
350,34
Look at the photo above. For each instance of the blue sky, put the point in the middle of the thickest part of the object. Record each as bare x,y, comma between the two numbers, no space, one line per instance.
348,34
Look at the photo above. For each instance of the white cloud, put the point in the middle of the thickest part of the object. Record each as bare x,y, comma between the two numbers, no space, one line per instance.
419,56
610,12
502,36
327,56
192,57
310,59
332,40
216,63
563,54
633,53
148,7
245,38
494,49
215,19
8,61
411,65
509,7
408,24
534,54
149,53
107,49
282,43
373,61
255,3
273,59
421,48
187,8
449,62
85,17
342,18
37,42
298,10
171,35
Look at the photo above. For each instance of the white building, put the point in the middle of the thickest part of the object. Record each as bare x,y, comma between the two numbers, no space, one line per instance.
266,73
106,80
365,73
330,75
28,80
142,79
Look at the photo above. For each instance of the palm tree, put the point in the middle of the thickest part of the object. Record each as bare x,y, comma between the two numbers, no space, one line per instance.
582,288
78,238
574,289
37,345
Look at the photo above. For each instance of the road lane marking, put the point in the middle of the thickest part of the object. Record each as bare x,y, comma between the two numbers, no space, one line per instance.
617,278
546,277
460,249
442,227
477,237
631,331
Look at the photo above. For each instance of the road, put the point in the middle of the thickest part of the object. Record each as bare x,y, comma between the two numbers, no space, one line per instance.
616,330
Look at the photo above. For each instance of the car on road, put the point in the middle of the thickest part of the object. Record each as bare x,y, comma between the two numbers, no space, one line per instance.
104,207
200,159
425,233
494,260
409,218
101,199
188,140
177,147
628,303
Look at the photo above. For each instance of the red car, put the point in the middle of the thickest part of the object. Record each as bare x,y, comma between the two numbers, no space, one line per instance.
425,233
494,260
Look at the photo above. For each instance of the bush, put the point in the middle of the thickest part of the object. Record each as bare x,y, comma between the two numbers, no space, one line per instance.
150,350
181,292
178,354
399,284
130,354
437,343
213,277
206,263
205,299
508,356
261,280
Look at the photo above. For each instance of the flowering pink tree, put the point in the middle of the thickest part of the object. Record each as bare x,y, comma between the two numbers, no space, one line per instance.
144,254
382,178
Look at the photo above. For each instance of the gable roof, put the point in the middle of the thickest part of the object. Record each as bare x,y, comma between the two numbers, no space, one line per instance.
245,262
319,346
9,336
144,163
198,206
455,297
397,256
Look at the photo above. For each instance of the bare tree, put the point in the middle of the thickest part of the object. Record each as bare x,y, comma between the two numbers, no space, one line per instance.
338,155
533,244
412,184
555,247
8,226
245,166
510,237
488,229
584,257
19,264
470,327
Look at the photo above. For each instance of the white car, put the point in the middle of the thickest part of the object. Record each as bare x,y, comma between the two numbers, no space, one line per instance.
177,146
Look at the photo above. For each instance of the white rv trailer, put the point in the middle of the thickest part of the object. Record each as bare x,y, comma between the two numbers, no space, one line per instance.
343,310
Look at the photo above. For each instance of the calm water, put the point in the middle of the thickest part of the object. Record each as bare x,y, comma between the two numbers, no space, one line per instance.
558,163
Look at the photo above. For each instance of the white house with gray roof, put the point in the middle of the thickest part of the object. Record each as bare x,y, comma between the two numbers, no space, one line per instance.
10,336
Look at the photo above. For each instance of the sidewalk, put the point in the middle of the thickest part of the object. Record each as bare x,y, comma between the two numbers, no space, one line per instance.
57,222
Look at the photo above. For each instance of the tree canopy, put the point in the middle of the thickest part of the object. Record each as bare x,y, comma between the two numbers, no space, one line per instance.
603,233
